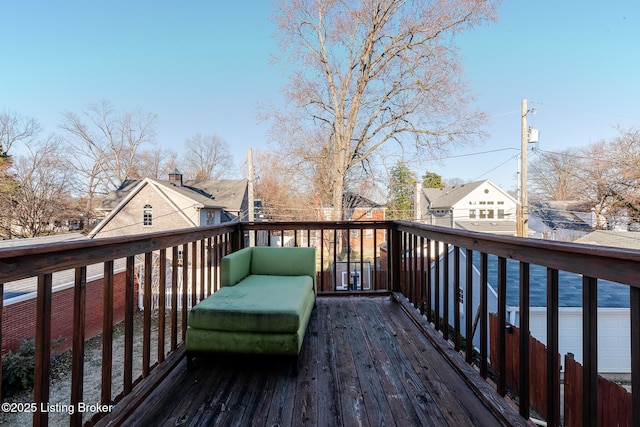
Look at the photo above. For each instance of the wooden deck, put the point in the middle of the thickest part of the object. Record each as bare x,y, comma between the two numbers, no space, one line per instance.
364,362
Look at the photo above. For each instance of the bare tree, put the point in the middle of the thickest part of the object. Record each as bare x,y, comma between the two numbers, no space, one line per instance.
556,176
610,177
104,145
207,157
41,195
367,73
156,164
278,188
15,128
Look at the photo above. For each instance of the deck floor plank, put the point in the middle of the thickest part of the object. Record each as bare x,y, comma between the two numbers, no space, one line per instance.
363,362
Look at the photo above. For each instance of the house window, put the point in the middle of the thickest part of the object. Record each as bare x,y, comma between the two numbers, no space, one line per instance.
472,213
483,213
147,216
490,213
500,213
369,214
501,202
368,233
211,218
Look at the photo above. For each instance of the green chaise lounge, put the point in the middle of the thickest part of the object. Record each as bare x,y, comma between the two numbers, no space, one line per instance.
263,306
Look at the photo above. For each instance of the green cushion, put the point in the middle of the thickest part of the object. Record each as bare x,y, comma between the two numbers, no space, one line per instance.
277,261
260,303
235,267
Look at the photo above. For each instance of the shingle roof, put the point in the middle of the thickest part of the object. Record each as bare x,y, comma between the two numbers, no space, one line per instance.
559,215
449,196
616,239
227,194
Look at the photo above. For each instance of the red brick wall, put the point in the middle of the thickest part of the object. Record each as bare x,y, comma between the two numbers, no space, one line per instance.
18,320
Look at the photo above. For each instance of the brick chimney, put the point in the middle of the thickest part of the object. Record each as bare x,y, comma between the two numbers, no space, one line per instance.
175,178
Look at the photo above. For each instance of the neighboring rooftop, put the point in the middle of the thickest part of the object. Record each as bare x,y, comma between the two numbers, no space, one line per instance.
616,239
566,215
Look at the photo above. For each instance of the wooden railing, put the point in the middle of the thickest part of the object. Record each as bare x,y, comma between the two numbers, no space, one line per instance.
426,280
352,257
167,271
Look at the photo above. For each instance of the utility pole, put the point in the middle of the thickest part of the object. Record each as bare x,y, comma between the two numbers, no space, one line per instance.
523,221
528,135
251,207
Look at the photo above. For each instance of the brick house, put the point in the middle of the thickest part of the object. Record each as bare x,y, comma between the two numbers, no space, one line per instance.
149,205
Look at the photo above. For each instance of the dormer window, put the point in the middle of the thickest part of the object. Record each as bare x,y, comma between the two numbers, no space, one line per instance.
147,216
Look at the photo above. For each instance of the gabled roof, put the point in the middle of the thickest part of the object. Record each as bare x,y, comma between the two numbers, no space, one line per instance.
447,197
165,189
228,193
353,200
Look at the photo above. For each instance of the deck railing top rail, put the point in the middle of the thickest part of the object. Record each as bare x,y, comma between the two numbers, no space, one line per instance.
27,261
609,263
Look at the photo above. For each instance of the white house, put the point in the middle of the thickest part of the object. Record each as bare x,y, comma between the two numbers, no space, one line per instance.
476,206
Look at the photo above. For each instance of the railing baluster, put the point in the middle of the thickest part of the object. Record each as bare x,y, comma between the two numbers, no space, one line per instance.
436,287
146,329
553,372
429,301
321,285
77,363
43,349
334,285
194,273
376,285
202,269
524,340
129,308
484,315
446,285
634,303
1,337
456,298
216,263
348,238
361,232
468,307
185,288
174,298
162,302
590,351
107,332
209,266
423,282
501,345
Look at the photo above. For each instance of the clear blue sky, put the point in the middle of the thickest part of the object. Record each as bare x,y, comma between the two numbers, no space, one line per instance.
203,66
